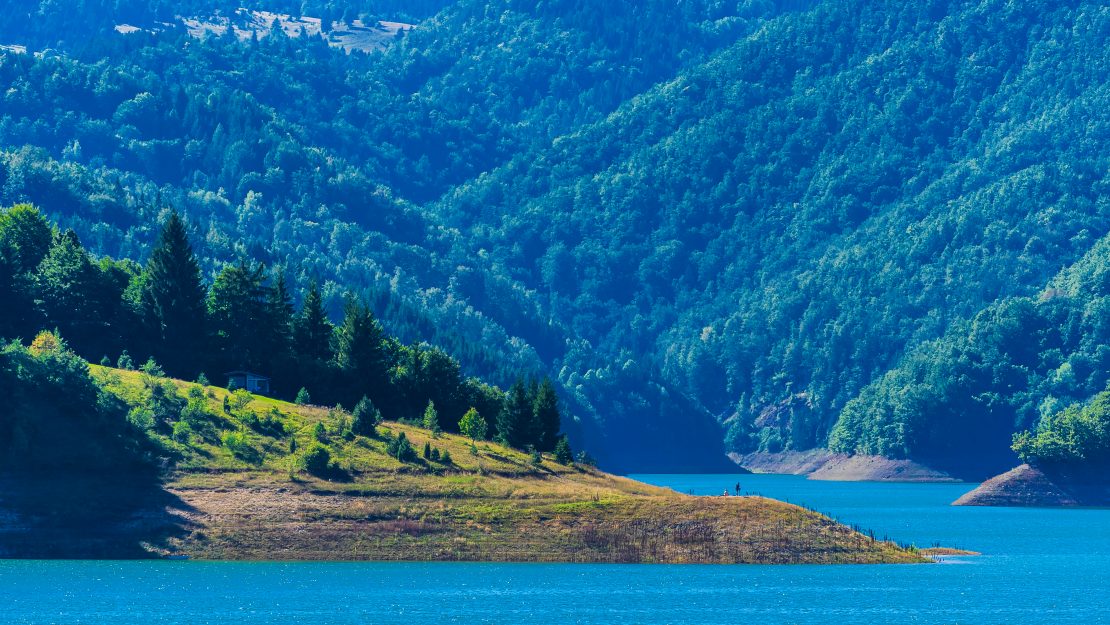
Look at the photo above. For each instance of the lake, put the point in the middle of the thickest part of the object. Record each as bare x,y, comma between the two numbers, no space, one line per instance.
1039,566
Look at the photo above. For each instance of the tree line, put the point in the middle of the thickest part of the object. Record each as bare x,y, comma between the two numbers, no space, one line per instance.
123,313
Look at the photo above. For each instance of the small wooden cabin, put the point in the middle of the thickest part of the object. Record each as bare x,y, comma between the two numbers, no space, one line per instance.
252,382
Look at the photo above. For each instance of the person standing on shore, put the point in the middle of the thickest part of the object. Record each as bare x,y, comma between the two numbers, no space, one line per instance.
738,489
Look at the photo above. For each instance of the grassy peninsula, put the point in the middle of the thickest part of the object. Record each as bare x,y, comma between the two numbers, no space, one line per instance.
252,478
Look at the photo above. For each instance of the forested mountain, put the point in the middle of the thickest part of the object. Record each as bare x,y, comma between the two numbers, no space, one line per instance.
681,210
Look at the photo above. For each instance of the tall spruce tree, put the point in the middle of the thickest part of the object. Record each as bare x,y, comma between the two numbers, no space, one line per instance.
279,305
514,420
173,302
312,332
546,417
361,353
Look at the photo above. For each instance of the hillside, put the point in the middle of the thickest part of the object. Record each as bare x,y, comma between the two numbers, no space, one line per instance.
248,477
1065,458
777,226
748,227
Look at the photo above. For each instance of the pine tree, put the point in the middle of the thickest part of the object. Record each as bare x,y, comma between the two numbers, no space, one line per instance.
563,454
513,423
431,418
279,306
427,451
547,421
361,351
173,301
303,398
365,418
312,332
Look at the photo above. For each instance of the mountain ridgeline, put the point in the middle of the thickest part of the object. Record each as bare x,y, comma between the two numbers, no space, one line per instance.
887,216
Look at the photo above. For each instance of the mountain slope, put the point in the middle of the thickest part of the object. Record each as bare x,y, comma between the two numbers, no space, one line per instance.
751,211
320,159
790,216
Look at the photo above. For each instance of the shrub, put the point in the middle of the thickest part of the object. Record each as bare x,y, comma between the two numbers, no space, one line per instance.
141,417
320,433
182,432
240,399
124,361
317,460
446,458
237,444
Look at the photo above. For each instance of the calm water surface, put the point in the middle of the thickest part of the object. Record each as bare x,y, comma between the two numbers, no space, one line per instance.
1039,566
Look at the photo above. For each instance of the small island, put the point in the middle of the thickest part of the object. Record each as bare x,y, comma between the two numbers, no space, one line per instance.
1066,461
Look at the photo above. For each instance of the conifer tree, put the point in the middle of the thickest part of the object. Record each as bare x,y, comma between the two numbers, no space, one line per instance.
366,418
547,421
312,332
431,418
361,351
173,301
279,306
514,421
563,453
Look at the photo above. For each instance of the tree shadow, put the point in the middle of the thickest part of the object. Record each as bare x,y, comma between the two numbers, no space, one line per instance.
113,516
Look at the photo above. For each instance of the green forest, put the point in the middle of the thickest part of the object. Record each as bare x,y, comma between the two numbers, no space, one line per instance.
889,217
163,319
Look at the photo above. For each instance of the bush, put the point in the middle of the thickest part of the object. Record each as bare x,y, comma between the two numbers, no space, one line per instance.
317,461
586,459
240,399
141,417
320,433
182,432
236,443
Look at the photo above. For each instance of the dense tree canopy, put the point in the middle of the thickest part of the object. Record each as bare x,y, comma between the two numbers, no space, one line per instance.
777,216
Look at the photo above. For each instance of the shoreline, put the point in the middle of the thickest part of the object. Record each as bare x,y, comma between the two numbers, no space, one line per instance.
824,465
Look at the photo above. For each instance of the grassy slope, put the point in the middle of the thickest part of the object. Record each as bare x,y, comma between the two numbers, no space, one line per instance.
490,505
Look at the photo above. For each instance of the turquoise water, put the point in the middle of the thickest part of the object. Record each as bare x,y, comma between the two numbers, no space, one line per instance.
1039,566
